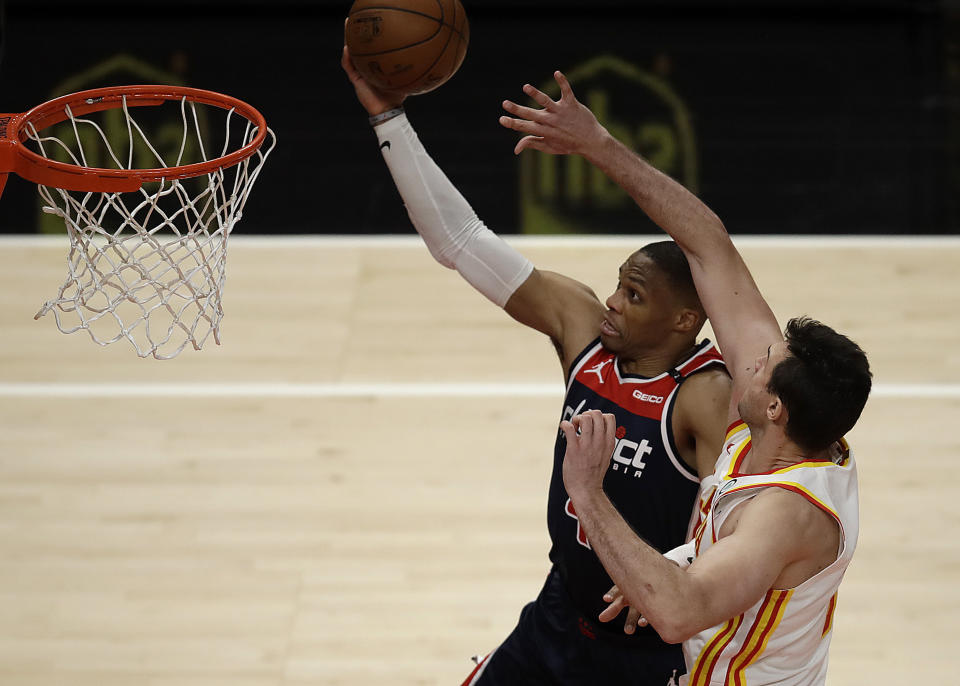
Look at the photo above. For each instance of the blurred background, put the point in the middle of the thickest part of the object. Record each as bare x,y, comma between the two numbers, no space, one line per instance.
327,498
786,116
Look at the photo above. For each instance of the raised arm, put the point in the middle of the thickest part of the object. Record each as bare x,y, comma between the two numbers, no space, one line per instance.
563,309
742,321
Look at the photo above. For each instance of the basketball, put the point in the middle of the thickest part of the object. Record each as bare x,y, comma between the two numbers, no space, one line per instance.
407,46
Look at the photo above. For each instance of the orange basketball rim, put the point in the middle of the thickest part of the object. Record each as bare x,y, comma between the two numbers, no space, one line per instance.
15,129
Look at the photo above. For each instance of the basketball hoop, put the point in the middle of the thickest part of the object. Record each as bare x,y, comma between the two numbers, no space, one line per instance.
148,204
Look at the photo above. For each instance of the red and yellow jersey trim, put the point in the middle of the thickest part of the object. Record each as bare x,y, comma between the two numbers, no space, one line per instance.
734,429
828,622
768,618
744,448
707,659
738,456
806,464
705,505
796,488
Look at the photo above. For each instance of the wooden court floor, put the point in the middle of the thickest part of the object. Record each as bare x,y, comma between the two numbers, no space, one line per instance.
350,490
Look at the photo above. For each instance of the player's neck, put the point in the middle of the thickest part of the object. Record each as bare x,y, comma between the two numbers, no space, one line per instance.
650,363
771,449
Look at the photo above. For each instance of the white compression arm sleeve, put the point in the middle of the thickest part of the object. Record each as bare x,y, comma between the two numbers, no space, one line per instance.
454,234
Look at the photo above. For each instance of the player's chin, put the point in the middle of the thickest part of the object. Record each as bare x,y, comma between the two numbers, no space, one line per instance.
611,342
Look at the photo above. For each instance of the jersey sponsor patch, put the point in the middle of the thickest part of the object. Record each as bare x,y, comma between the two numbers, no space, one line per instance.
647,398
628,456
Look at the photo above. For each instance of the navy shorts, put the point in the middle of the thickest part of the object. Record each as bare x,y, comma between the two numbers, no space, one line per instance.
552,645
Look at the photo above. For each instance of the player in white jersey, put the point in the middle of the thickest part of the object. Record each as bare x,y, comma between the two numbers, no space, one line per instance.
784,638
754,605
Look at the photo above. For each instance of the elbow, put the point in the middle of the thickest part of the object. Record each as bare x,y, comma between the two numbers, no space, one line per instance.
710,241
669,623
716,225
675,611
713,229
673,632
461,237
676,624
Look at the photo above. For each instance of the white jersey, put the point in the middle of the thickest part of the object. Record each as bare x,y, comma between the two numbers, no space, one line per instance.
785,637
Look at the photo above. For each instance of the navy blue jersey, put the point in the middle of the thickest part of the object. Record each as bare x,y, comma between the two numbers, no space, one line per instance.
647,481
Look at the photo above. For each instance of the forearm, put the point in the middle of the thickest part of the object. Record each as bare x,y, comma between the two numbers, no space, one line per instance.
450,228
662,591
671,206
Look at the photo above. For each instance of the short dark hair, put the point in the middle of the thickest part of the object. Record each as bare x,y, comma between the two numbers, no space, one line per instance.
823,383
670,260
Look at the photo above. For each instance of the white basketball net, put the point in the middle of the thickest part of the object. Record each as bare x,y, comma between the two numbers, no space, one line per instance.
148,266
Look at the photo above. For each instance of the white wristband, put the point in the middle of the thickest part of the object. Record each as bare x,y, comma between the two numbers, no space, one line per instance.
385,116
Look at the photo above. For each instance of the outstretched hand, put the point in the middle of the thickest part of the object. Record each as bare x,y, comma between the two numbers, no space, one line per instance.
562,127
374,101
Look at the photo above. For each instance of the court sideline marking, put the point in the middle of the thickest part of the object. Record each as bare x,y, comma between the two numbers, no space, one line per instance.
361,390
462,390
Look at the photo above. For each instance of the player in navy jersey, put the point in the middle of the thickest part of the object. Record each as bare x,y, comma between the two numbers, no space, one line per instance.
635,355
752,595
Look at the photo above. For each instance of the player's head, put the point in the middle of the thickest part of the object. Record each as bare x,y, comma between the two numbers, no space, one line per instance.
672,264
655,301
821,377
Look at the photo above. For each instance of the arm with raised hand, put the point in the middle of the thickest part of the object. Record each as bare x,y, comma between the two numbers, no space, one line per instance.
741,319
562,308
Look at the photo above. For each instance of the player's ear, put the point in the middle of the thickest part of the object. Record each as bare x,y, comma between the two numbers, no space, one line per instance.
688,320
776,410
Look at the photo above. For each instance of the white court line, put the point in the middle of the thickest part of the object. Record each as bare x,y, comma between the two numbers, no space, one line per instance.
361,390
412,241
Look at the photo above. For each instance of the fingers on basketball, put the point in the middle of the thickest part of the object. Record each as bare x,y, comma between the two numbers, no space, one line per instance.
407,46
